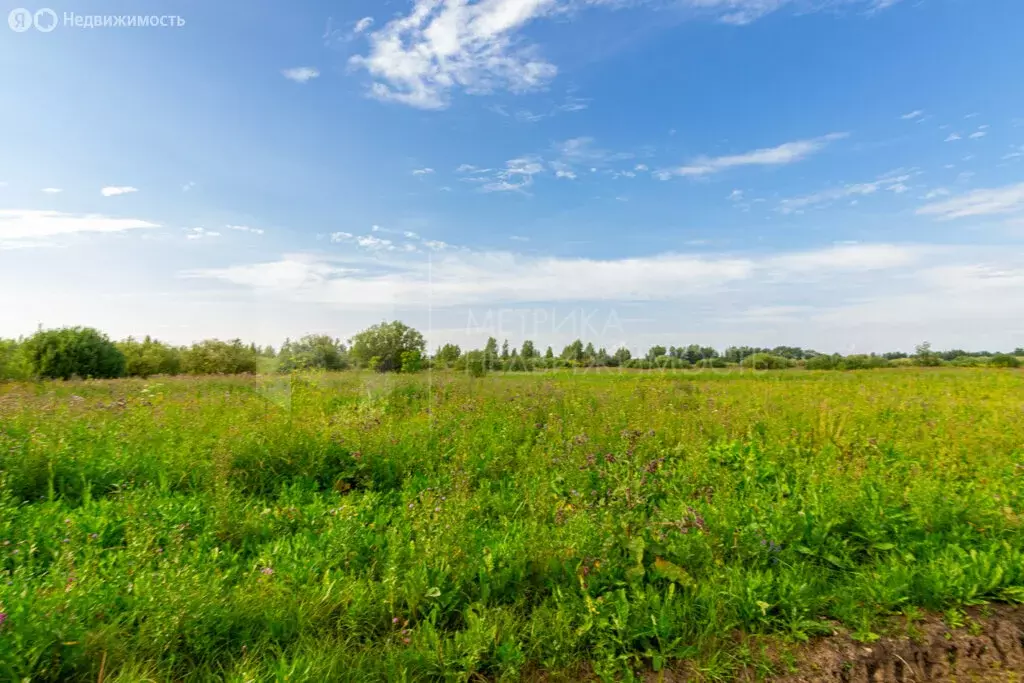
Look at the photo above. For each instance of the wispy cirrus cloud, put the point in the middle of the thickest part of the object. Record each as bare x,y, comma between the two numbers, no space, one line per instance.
786,153
983,202
31,225
893,182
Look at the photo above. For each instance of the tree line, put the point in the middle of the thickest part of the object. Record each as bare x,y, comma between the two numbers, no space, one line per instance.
83,352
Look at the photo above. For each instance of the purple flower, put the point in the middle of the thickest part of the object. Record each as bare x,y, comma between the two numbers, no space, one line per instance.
394,620
267,571
3,618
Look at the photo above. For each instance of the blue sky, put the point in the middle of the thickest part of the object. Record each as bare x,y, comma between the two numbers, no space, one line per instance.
846,175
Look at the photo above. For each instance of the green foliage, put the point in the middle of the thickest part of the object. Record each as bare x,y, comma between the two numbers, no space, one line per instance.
766,361
13,363
925,357
73,352
448,354
1003,360
347,526
386,342
412,361
313,352
476,363
149,357
215,357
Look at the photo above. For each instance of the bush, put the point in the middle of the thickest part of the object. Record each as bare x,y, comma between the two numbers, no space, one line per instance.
862,362
412,361
1004,360
13,364
73,352
313,352
149,357
766,361
215,357
476,363
823,362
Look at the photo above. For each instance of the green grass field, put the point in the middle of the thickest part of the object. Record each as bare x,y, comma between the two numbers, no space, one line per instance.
358,527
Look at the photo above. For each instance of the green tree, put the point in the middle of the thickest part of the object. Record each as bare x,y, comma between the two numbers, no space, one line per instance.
149,357
448,354
387,342
528,351
313,352
216,357
925,357
622,356
504,350
656,352
73,352
573,352
549,353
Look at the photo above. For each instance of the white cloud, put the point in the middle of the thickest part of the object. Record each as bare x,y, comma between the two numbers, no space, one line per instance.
641,167
893,182
953,137
470,168
301,74
516,176
245,228
419,58
735,195
30,225
977,135
411,235
423,171
374,243
363,24
917,113
188,186
52,190
786,153
570,175
341,236
936,193
982,202
460,277
114,191
200,234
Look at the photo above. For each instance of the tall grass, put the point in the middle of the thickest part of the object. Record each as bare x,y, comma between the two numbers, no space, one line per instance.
350,527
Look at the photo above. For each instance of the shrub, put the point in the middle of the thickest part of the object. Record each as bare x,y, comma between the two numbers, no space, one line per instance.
313,352
149,357
1004,360
476,363
13,363
215,357
73,352
862,362
412,361
766,361
823,362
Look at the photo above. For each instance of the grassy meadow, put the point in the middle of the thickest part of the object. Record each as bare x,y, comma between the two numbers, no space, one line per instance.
351,526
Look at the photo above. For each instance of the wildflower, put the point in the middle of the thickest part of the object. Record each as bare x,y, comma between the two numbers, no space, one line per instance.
394,620
94,536
406,641
65,540
267,571
3,618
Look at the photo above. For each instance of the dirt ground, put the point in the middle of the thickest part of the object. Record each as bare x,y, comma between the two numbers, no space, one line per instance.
989,649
